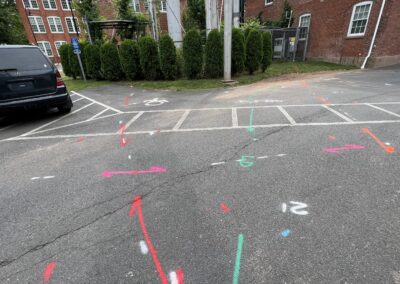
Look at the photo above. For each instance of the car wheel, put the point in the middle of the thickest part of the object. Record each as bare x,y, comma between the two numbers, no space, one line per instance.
66,108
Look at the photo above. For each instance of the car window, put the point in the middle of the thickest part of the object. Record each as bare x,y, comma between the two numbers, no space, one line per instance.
23,59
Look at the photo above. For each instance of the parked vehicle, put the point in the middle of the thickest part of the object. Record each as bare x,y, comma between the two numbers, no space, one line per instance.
29,80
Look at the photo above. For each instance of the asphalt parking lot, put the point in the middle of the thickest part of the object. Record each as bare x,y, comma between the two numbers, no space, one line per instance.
288,181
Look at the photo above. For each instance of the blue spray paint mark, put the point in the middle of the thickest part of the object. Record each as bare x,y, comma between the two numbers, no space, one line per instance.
285,233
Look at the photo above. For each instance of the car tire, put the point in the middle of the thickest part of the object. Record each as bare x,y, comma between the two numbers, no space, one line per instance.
66,108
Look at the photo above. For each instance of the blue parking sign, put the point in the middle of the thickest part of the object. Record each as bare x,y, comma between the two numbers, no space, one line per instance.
75,44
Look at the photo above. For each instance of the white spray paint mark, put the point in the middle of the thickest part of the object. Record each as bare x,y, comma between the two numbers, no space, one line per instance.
388,84
132,94
120,122
151,132
219,163
129,274
173,277
281,155
35,178
387,143
129,157
143,247
47,177
263,157
284,207
297,209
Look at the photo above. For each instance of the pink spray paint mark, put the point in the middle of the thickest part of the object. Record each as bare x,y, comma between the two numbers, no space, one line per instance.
152,169
224,207
332,137
123,140
346,147
48,271
126,101
81,139
180,276
138,206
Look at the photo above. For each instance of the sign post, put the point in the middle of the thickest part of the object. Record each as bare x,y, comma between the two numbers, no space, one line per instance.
77,50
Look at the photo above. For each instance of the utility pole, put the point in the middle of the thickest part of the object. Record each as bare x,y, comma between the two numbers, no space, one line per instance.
211,15
153,16
236,13
227,39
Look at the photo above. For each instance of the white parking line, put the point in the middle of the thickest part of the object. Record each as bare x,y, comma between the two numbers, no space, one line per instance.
181,120
98,114
234,117
54,121
7,127
337,113
97,102
285,113
382,109
77,100
132,121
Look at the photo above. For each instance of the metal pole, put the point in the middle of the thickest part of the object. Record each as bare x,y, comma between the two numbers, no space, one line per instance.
80,64
88,30
73,18
227,39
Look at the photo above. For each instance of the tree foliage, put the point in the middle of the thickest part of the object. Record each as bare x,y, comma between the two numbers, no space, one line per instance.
195,15
11,28
238,54
267,51
214,55
130,60
168,62
93,63
149,60
110,64
192,54
253,51
64,54
89,9
73,63
285,17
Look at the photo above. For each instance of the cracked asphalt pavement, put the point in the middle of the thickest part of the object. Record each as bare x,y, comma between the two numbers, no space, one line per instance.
306,170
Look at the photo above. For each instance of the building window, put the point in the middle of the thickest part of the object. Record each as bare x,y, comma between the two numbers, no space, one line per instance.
37,24
65,5
45,48
146,5
71,25
135,5
58,44
31,4
268,2
163,7
49,5
304,22
55,24
359,19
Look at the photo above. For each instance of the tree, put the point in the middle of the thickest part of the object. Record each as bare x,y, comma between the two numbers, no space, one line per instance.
64,54
214,55
286,15
93,63
130,60
110,64
73,63
192,54
149,60
196,15
168,57
89,9
238,54
267,51
11,28
253,51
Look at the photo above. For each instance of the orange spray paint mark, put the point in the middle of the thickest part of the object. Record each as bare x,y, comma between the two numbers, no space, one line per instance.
331,137
48,271
388,149
224,207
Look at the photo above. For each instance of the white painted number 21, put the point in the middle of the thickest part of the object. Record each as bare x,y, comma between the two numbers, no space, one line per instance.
295,207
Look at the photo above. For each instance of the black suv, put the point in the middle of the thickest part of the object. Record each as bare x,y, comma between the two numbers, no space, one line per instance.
29,80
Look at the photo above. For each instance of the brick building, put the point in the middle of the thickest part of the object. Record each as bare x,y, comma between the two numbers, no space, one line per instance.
341,31
48,23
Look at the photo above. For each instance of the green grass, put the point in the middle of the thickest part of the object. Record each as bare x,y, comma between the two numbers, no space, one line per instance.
275,70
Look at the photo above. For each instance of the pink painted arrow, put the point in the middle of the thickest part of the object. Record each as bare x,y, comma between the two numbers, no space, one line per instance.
346,147
152,169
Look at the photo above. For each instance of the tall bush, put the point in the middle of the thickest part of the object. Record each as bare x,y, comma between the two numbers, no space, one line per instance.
73,63
110,64
214,55
93,63
168,62
253,51
149,60
65,59
267,51
192,54
180,62
130,60
238,54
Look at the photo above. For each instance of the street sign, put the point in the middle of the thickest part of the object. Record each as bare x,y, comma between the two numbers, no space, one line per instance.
75,45
77,51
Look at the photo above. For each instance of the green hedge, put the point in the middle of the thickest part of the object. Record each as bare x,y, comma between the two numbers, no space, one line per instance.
93,63
130,60
192,54
253,51
214,55
63,51
168,60
149,60
110,64
73,63
238,54
267,51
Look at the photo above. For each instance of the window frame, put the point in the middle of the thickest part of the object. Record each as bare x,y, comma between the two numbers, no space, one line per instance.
161,6
309,24
57,48
72,22
48,1
268,2
69,7
30,4
45,53
135,6
55,24
349,34
37,24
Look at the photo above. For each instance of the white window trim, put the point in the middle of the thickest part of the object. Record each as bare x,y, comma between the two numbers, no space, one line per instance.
305,15
43,41
134,2
76,21
69,7
349,34
35,17
48,22
30,8
268,3
52,9
163,11
58,53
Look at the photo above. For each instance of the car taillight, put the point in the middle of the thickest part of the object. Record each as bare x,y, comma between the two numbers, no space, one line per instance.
60,82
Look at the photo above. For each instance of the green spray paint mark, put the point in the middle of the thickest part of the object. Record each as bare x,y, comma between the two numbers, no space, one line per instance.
237,263
251,128
246,161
